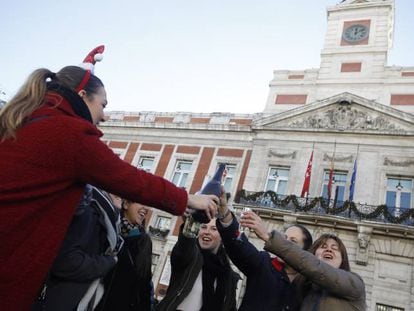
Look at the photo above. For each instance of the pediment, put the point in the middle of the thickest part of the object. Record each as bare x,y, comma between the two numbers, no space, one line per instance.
344,112
353,1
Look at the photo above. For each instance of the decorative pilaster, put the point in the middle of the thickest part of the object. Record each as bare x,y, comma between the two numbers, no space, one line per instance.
364,237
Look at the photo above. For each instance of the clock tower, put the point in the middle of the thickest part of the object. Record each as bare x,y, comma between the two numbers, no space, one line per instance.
358,38
353,60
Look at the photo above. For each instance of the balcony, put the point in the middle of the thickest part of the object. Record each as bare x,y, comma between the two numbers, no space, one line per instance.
321,206
159,233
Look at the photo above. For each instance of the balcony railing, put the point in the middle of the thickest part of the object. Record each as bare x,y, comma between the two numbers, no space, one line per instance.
322,206
160,233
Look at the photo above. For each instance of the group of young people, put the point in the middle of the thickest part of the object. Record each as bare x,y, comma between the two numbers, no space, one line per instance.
65,246
291,273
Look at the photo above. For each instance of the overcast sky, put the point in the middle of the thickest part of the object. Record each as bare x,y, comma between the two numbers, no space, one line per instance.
176,55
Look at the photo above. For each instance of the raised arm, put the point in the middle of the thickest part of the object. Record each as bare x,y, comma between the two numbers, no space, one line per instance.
242,253
342,283
97,164
184,250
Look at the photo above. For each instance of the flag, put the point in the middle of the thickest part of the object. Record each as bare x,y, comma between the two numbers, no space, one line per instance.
306,183
352,185
331,174
331,171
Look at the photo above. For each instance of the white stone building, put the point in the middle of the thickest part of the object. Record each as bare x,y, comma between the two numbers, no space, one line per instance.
353,109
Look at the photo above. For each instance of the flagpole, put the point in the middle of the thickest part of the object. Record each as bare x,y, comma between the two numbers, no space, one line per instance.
331,173
353,177
307,193
313,149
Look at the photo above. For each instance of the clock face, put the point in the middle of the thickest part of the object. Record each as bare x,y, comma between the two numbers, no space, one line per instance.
355,33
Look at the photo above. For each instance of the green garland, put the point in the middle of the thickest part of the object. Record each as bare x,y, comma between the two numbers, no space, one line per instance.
271,199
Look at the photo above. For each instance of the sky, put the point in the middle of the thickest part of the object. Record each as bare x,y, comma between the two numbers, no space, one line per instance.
176,55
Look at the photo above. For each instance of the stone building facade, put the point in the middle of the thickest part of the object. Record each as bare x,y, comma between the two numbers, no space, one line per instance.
354,111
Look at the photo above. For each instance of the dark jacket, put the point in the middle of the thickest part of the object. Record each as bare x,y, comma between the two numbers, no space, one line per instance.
186,264
44,172
332,288
125,287
82,257
268,286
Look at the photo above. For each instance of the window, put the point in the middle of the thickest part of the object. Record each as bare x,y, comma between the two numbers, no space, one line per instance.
154,262
277,179
381,307
399,193
338,186
163,223
229,177
146,163
181,171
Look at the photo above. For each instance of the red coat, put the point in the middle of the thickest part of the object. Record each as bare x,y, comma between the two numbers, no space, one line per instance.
42,177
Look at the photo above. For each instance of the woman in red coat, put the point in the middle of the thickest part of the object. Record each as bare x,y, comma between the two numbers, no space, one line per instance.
50,149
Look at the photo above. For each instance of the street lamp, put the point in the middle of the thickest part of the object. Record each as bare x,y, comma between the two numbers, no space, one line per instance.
399,187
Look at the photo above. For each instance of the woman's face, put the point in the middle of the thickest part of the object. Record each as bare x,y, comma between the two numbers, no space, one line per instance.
295,235
135,213
96,104
329,252
209,237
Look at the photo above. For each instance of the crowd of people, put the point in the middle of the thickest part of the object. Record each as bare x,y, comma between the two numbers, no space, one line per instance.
72,219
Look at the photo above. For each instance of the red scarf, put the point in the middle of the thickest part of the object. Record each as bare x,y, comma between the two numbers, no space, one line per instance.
277,264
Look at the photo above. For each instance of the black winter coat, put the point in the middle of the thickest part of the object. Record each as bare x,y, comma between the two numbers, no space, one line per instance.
267,288
125,289
80,260
186,264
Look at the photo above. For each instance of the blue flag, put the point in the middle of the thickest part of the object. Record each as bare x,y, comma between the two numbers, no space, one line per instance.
352,186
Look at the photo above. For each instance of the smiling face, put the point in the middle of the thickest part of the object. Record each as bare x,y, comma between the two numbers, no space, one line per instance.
209,237
135,213
96,103
329,252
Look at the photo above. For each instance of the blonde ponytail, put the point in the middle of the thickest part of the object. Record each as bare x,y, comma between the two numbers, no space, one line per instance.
30,97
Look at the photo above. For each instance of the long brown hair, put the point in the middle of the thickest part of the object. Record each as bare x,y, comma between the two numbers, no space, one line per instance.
30,96
342,249
303,285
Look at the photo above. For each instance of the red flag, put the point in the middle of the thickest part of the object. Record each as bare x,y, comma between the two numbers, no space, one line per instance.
331,174
306,183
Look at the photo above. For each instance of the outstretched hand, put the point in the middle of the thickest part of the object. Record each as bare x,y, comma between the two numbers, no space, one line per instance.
252,221
204,202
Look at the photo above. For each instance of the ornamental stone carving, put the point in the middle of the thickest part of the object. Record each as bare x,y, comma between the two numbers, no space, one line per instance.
343,117
272,153
328,158
364,237
393,162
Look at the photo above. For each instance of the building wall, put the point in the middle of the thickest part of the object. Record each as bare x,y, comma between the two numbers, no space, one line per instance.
253,149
